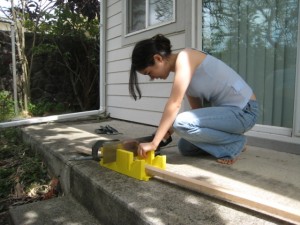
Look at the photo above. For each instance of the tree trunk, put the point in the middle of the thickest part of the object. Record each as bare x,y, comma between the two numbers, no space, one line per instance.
20,42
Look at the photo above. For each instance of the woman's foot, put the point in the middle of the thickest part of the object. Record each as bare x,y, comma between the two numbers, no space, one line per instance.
229,161
226,161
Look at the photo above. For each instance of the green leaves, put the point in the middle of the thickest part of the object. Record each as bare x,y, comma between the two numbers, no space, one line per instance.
6,106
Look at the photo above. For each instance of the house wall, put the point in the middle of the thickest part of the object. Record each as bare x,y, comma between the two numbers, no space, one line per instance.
120,105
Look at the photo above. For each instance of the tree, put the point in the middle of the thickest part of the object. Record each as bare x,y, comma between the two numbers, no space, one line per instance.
80,63
50,17
27,14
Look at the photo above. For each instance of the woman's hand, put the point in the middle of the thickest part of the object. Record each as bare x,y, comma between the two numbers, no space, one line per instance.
143,148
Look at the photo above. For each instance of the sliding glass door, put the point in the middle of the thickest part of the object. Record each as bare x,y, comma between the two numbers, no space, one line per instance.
258,39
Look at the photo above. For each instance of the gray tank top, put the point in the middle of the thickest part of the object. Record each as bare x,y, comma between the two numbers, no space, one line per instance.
220,85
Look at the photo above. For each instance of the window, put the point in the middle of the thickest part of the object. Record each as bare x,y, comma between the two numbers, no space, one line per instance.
147,14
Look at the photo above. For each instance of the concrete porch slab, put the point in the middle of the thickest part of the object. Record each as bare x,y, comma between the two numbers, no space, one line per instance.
116,199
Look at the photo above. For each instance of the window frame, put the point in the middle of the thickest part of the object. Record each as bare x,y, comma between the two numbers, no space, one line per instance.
296,125
179,25
147,26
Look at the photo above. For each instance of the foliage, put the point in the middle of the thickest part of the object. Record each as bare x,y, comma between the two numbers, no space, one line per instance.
18,163
75,19
45,108
68,27
23,175
5,55
87,8
6,106
65,74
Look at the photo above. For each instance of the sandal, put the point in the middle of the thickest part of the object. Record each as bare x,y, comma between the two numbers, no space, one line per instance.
107,130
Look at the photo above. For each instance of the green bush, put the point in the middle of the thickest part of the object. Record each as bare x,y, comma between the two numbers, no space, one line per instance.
6,106
45,108
18,163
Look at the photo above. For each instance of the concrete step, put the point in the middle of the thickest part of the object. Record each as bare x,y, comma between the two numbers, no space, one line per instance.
113,198
59,211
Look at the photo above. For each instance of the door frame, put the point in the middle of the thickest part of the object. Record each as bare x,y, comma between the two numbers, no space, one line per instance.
296,125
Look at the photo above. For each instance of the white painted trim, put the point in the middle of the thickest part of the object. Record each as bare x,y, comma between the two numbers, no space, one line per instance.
199,25
196,24
296,124
50,118
273,137
272,130
102,55
147,27
194,36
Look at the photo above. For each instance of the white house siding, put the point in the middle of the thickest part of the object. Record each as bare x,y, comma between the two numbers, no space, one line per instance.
120,105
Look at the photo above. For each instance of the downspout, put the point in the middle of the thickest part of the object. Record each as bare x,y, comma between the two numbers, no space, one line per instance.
102,52
102,87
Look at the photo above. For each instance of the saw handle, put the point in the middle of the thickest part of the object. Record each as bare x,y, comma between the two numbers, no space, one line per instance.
165,142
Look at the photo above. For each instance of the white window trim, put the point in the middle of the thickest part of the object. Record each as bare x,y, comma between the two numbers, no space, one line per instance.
147,26
179,25
296,125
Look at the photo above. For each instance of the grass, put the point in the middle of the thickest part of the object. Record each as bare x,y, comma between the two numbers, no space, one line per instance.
23,175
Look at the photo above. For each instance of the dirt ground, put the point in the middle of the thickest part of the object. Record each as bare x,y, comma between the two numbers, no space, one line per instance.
23,175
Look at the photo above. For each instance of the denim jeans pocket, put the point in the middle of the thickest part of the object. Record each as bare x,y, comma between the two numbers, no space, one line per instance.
251,113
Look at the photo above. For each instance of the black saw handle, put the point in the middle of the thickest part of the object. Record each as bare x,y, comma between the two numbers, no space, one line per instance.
163,142
98,144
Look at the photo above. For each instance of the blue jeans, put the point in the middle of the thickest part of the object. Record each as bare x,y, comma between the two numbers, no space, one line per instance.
218,131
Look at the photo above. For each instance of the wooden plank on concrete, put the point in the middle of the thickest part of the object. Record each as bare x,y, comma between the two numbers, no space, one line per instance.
259,205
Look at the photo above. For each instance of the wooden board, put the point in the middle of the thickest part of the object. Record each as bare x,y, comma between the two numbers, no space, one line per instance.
85,150
269,208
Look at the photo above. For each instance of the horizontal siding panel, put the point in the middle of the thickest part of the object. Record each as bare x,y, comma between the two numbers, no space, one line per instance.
116,66
138,116
117,89
156,90
123,53
114,32
146,79
147,90
114,20
123,77
147,104
118,78
114,9
150,118
178,41
114,44
111,2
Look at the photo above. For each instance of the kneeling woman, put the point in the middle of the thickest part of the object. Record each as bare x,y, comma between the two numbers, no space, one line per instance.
218,129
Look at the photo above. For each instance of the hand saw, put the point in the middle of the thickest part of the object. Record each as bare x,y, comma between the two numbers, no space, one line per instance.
109,149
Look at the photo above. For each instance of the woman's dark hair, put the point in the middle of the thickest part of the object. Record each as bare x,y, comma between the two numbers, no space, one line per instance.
142,57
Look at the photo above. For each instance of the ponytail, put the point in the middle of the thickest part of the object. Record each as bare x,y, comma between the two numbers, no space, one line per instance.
142,57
